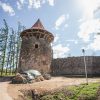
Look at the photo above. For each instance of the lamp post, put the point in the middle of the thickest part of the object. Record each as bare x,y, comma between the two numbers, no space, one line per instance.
83,51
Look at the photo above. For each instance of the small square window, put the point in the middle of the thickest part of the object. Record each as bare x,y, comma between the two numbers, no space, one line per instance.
36,45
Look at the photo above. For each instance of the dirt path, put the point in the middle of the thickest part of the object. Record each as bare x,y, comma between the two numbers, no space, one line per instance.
47,85
3,91
12,90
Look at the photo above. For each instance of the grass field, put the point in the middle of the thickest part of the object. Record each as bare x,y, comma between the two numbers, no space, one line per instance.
80,92
7,74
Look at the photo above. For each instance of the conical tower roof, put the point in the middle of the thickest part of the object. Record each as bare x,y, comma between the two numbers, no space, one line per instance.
38,30
38,25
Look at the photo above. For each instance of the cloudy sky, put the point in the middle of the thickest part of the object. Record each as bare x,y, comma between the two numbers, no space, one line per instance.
74,23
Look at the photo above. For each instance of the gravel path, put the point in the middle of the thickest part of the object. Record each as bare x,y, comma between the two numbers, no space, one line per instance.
3,91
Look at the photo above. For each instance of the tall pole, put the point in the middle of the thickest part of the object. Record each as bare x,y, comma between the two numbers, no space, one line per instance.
85,66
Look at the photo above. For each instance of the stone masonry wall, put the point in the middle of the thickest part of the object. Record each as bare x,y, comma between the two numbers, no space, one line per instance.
37,58
75,66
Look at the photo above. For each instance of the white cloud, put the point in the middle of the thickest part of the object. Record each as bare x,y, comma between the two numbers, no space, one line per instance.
51,2
88,23
19,5
89,7
56,38
35,3
61,20
30,3
88,27
38,3
7,8
60,51
96,43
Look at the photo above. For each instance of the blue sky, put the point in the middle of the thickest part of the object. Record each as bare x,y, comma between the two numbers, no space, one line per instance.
74,23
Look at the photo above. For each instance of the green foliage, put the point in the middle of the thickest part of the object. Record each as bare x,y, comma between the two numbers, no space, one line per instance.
3,45
48,97
8,74
58,96
10,43
89,92
81,92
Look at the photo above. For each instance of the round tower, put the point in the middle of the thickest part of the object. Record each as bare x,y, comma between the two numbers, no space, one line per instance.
36,51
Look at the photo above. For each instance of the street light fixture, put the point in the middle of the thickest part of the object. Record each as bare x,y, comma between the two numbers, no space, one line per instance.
83,51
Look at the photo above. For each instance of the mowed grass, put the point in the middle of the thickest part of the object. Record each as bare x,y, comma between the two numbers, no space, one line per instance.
79,92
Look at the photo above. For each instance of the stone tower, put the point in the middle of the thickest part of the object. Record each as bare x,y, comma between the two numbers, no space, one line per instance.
36,51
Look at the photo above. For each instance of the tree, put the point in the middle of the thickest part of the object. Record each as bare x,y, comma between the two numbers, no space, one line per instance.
18,42
10,43
3,37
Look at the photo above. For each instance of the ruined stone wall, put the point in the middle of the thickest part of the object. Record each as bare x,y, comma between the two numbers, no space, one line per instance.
75,66
96,65
35,54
